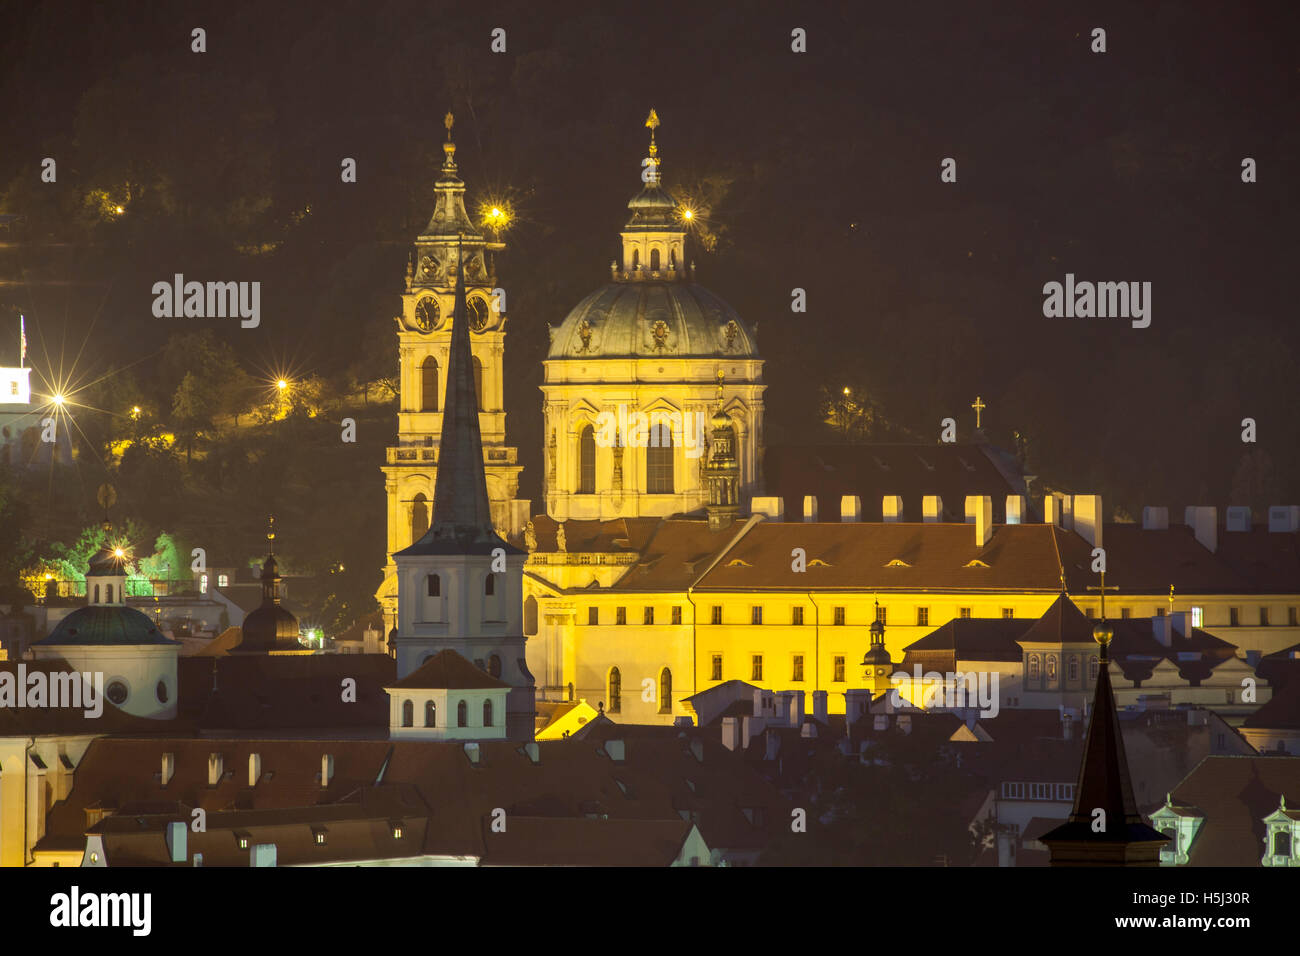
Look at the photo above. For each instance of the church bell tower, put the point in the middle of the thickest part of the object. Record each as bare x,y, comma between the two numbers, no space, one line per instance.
424,341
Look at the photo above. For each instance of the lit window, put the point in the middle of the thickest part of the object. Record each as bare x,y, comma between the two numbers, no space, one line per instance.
203,584
320,837
223,580
1198,617
397,831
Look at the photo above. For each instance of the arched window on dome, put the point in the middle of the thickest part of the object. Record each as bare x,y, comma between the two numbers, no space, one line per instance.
462,714
419,516
659,460
587,461
430,714
487,713
408,713
478,382
654,260
108,591
429,385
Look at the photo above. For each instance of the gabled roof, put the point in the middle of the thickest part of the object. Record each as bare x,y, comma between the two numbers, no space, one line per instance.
1062,623
971,639
448,670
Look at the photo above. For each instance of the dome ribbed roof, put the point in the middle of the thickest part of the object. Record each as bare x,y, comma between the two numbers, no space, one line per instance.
106,625
654,320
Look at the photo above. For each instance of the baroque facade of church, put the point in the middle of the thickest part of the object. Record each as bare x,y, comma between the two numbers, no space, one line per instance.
424,342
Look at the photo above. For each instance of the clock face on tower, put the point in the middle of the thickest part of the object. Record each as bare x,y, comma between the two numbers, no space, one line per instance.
426,315
478,313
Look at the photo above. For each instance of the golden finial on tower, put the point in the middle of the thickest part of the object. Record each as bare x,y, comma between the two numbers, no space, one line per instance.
448,121
449,148
270,534
721,376
652,124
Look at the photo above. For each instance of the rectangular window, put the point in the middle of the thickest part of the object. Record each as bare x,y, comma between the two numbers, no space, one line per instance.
797,670
1263,617
1234,616
433,584
1008,613
796,615
839,669
1291,618
716,614
223,580
677,614
839,615
648,616
881,614
964,612
1125,613
593,616
1160,611
716,673
756,671
620,615
923,616
756,614
1198,617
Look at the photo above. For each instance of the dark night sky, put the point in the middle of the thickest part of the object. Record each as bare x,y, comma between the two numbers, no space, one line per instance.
1121,166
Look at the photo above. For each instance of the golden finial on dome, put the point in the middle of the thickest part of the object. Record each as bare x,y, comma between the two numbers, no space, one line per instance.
448,121
270,534
652,123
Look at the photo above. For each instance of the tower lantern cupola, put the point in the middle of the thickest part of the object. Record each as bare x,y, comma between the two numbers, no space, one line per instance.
654,239
106,573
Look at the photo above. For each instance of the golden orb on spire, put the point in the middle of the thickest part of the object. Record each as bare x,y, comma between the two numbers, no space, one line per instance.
1103,633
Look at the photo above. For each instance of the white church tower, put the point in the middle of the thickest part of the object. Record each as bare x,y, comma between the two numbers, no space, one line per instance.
460,585
424,340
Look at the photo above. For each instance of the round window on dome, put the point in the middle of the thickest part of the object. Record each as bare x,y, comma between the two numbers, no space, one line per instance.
117,692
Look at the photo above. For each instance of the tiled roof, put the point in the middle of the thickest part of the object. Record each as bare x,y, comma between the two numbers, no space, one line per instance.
1235,794
971,639
580,841
872,471
448,670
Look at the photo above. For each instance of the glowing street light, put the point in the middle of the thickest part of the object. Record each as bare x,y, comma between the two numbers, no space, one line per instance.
58,399
119,553
135,412
282,385
119,210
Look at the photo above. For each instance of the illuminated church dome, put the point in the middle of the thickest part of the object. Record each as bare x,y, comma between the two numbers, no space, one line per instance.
651,342
270,628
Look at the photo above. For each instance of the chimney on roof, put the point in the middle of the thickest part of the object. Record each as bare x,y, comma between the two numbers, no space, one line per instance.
262,854
782,714
819,705
850,508
764,703
168,768
809,508
1015,509
931,508
1087,518
979,509
773,744
254,769
1155,518
326,769
176,831
857,703
216,766
1238,518
1204,522
891,507
791,707
731,733
617,750
1162,629
1182,622
1284,518
533,751
751,727
1052,509
771,508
